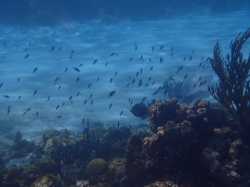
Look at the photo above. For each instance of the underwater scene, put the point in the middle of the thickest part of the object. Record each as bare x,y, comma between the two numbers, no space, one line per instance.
124,93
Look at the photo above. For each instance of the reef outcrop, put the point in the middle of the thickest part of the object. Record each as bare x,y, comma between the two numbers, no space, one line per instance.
194,145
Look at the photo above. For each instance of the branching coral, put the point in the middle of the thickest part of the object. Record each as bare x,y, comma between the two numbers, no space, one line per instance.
233,90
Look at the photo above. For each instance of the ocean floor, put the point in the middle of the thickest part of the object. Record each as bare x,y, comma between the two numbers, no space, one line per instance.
78,45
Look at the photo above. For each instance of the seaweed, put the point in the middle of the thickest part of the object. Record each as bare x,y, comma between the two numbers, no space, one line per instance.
233,89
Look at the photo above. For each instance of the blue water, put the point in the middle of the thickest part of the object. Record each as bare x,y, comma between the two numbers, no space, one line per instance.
94,36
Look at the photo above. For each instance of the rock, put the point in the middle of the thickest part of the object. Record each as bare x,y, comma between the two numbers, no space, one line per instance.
48,180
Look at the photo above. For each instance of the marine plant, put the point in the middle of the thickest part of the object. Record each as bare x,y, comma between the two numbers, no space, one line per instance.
233,89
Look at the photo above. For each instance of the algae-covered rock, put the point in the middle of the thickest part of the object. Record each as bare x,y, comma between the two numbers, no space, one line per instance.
96,167
48,180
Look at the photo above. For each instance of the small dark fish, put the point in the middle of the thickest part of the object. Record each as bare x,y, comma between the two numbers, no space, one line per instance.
130,126
26,56
77,80
185,76
90,96
150,59
153,82
203,66
133,81
28,109
161,60
161,47
139,84
111,94
200,64
200,84
127,85
143,99
121,112
48,97
80,65
106,64
184,58
151,68
34,92
66,69
190,58
62,104
131,58
8,111
4,43
112,54
70,98
118,124
78,93
156,92
57,78
95,61
160,88
149,78
165,93
92,102
34,70
140,70
141,57
76,69
89,85
72,52
18,79
71,56
152,48
204,82
194,86
172,48
59,116
136,47
139,110
199,78
97,79
1,84
70,169
24,113
201,58
82,120
111,79
85,102
19,97
193,51
36,114
59,87
146,85
52,48
172,55
57,107
115,73
110,105
137,73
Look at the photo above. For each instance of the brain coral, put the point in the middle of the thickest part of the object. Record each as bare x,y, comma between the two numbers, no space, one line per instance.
96,167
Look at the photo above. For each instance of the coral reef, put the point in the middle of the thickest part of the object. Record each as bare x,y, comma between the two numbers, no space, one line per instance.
196,145
187,144
233,90
96,167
